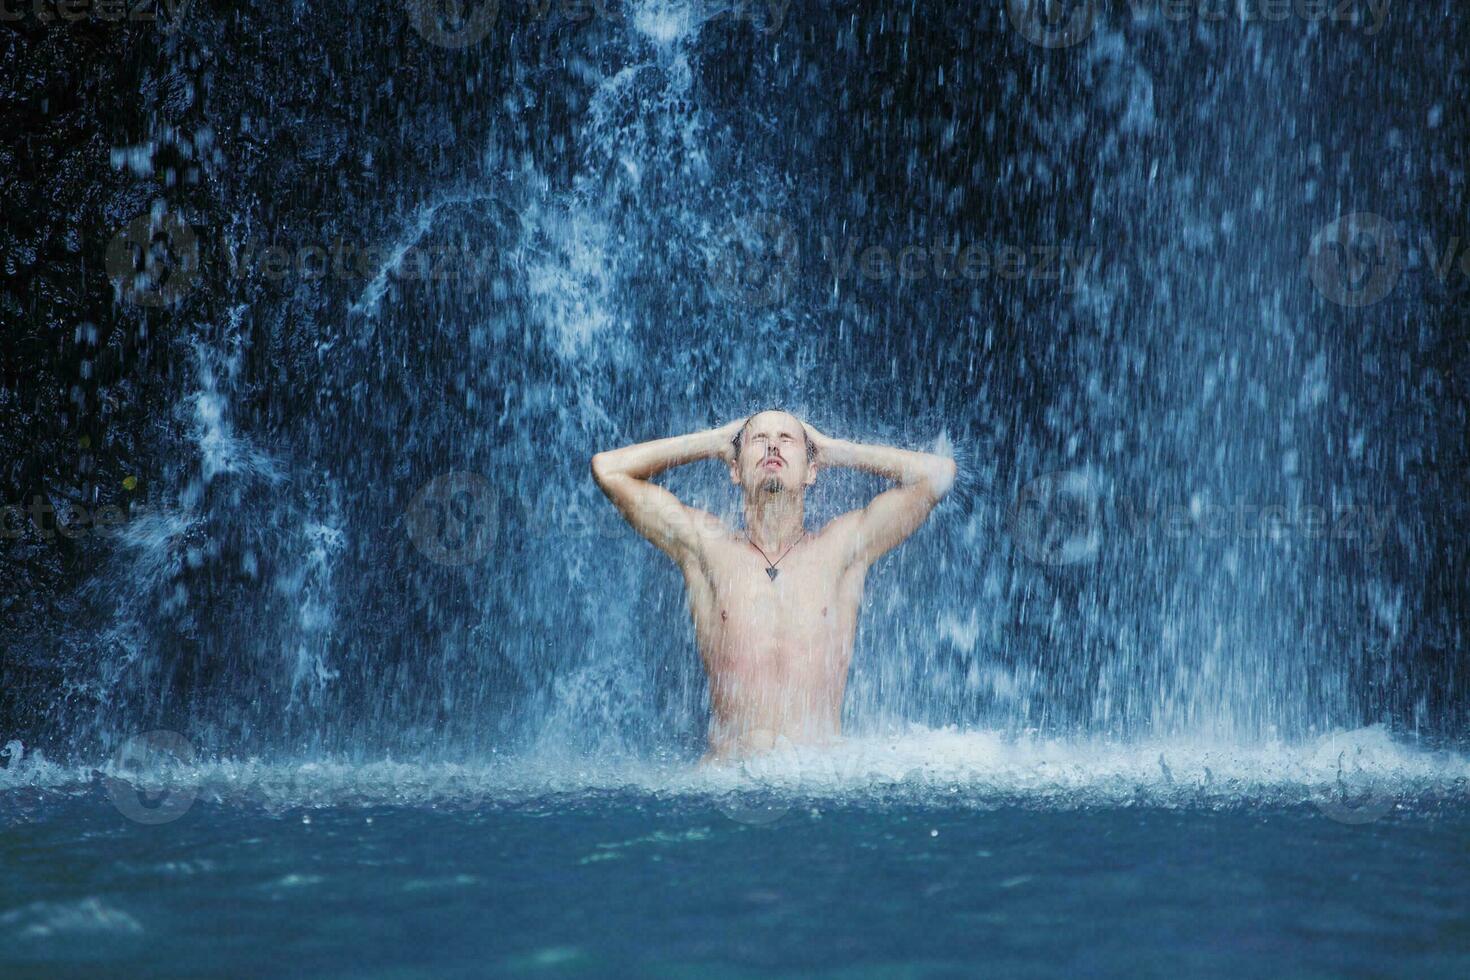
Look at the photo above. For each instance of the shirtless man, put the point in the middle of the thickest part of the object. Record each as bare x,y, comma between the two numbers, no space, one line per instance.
775,607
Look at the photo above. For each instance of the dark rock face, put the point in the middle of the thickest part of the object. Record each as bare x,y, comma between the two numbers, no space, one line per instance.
258,123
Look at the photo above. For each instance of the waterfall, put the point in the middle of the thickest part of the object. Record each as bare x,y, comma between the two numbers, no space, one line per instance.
1185,498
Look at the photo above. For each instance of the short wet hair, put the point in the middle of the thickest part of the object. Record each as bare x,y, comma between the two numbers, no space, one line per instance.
811,449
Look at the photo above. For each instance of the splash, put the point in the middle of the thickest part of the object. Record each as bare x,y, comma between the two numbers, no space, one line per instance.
1350,775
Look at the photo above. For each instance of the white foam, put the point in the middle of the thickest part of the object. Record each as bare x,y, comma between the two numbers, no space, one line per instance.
926,765
88,917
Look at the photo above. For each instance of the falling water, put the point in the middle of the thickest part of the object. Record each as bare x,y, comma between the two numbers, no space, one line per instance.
372,533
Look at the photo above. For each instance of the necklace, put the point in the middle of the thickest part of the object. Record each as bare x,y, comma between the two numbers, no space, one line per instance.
771,565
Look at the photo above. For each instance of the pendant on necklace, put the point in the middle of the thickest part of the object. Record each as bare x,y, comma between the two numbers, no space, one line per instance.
773,572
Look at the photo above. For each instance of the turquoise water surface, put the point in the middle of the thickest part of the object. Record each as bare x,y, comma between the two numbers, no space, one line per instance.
992,858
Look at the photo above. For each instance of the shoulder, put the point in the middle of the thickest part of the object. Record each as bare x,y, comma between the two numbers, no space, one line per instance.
840,526
710,535
840,532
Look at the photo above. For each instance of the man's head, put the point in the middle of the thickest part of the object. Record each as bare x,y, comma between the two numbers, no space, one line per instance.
773,454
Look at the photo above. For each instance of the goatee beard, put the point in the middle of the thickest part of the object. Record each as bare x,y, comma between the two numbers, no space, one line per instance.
772,485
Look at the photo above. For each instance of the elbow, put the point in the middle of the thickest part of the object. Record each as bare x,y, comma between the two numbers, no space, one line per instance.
601,468
942,478
607,469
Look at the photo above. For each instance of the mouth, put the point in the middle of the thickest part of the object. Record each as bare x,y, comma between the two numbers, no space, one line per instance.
772,461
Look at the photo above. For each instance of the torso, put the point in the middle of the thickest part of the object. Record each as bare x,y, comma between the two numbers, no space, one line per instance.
776,651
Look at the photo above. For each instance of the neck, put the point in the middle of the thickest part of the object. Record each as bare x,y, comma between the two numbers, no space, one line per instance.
775,521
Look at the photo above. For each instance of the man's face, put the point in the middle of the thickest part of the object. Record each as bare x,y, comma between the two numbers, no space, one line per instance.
773,456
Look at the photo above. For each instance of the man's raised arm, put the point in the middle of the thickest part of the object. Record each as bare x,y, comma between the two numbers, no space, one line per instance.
923,478
624,475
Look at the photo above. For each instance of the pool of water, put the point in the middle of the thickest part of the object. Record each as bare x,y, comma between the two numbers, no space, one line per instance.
991,858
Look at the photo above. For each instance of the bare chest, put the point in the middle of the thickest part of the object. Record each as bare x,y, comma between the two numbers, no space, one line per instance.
810,603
